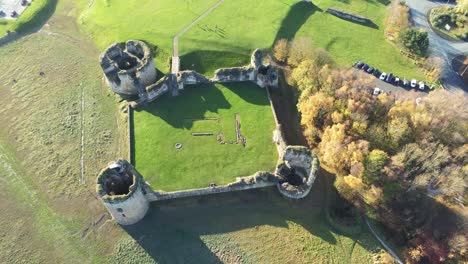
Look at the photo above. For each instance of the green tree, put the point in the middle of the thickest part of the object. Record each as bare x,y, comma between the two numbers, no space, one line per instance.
415,41
374,164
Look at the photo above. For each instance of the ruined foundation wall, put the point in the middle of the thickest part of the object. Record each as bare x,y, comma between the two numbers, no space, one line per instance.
349,16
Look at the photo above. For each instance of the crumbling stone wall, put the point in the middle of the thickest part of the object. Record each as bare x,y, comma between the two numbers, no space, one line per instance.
126,195
259,180
129,71
128,67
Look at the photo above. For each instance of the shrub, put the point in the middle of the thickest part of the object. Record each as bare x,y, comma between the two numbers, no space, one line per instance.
415,41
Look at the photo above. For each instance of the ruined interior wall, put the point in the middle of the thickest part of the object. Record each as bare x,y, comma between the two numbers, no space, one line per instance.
236,74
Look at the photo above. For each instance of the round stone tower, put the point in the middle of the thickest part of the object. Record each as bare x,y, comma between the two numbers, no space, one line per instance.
128,68
298,168
121,189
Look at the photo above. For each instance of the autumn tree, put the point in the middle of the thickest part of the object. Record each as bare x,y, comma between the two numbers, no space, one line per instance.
281,50
374,164
300,49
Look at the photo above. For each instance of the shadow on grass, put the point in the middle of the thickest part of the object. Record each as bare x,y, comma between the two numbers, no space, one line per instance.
195,102
171,231
201,101
296,17
207,61
249,92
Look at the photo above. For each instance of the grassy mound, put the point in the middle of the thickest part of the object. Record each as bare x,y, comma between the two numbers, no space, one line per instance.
203,159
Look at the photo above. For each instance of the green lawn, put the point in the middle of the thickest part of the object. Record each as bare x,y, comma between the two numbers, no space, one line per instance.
227,36
202,159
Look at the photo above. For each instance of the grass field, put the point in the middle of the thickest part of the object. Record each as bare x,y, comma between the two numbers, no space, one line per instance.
202,159
237,27
247,227
48,217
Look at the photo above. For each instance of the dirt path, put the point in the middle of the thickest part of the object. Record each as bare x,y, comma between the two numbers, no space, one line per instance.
389,250
175,42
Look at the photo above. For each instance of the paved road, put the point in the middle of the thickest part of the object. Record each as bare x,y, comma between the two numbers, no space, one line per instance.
439,46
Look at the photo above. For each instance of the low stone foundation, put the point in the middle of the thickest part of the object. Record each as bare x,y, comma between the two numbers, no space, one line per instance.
349,16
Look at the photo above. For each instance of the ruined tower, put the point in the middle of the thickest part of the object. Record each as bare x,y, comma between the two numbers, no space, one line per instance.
129,68
121,189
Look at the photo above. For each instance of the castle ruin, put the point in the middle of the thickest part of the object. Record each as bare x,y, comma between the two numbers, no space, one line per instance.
129,71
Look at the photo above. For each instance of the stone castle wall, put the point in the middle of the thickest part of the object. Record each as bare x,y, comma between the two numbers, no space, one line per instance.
259,180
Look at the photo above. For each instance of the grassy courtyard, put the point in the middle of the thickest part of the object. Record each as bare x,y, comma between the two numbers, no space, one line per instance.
227,36
203,159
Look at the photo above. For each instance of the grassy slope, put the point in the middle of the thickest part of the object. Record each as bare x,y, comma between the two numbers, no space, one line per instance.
237,27
41,141
46,212
154,21
245,25
202,159
252,227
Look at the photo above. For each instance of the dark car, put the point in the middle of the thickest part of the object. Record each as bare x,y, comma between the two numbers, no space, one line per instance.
365,67
397,80
389,78
405,82
376,73
358,65
370,70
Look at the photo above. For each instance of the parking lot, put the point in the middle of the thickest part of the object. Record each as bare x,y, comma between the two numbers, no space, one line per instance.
12,9
388,84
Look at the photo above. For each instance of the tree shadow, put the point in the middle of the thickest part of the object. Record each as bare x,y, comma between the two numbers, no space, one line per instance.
195,102
296,17
172,231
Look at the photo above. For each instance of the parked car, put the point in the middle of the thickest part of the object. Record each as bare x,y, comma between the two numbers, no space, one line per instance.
376,73
432,87
365,67
370,70
358,64
397,80
383,76
389,78
413,83
405,82
422,86
377,91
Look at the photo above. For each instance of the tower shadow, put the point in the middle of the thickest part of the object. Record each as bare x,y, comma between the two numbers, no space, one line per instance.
296,17
189,230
